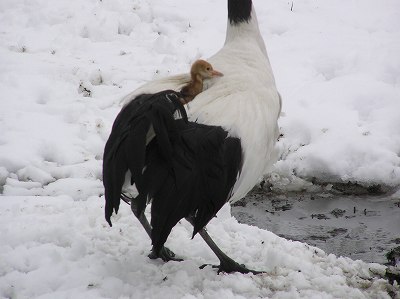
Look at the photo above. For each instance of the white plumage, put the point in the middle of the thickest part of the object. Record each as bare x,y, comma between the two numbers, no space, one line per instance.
245,101
190,170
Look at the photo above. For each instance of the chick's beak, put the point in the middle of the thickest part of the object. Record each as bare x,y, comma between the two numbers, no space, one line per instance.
215,73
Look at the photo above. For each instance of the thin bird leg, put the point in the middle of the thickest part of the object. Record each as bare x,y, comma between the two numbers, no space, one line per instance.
227,264
139,215
165,254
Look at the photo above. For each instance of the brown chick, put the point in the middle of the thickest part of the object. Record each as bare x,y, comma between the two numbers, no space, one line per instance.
200,70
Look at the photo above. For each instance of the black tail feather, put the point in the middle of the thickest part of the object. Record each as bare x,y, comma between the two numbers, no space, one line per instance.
126,146
188,170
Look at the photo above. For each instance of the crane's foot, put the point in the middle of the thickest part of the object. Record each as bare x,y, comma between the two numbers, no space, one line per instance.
165,254
230,266
227,264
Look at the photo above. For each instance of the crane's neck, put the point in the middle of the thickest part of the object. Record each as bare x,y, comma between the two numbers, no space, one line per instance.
192,89
196,84
242,23
239,11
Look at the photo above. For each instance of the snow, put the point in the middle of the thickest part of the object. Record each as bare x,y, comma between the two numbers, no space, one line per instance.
337,69
57,247
66,65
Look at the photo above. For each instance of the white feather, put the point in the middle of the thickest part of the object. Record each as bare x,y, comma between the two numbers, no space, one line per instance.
244,101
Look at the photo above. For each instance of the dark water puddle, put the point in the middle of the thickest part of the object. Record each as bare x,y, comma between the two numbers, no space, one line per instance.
359,227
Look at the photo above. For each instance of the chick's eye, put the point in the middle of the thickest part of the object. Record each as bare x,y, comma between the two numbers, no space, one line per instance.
208,68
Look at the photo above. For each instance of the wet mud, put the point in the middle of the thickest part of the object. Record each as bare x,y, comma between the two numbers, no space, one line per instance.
360,227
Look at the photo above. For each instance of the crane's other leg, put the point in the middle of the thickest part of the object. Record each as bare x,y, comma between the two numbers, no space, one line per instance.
227,264
165,254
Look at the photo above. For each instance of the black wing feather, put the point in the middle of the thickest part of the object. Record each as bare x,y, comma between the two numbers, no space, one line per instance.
126,146
188,170
206,164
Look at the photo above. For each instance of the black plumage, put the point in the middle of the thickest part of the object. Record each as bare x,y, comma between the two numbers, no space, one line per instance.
239,11
186,169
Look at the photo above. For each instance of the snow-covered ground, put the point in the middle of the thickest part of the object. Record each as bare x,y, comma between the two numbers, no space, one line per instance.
56,247
65,65
337,65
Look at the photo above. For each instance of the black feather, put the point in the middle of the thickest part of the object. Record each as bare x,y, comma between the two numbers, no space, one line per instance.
239,11
126,146
187,170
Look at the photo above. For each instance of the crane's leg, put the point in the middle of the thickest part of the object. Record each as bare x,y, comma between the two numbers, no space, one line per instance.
165,254
227,264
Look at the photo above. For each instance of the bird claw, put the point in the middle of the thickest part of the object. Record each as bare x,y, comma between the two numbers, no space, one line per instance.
205,265
165,254
230,267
